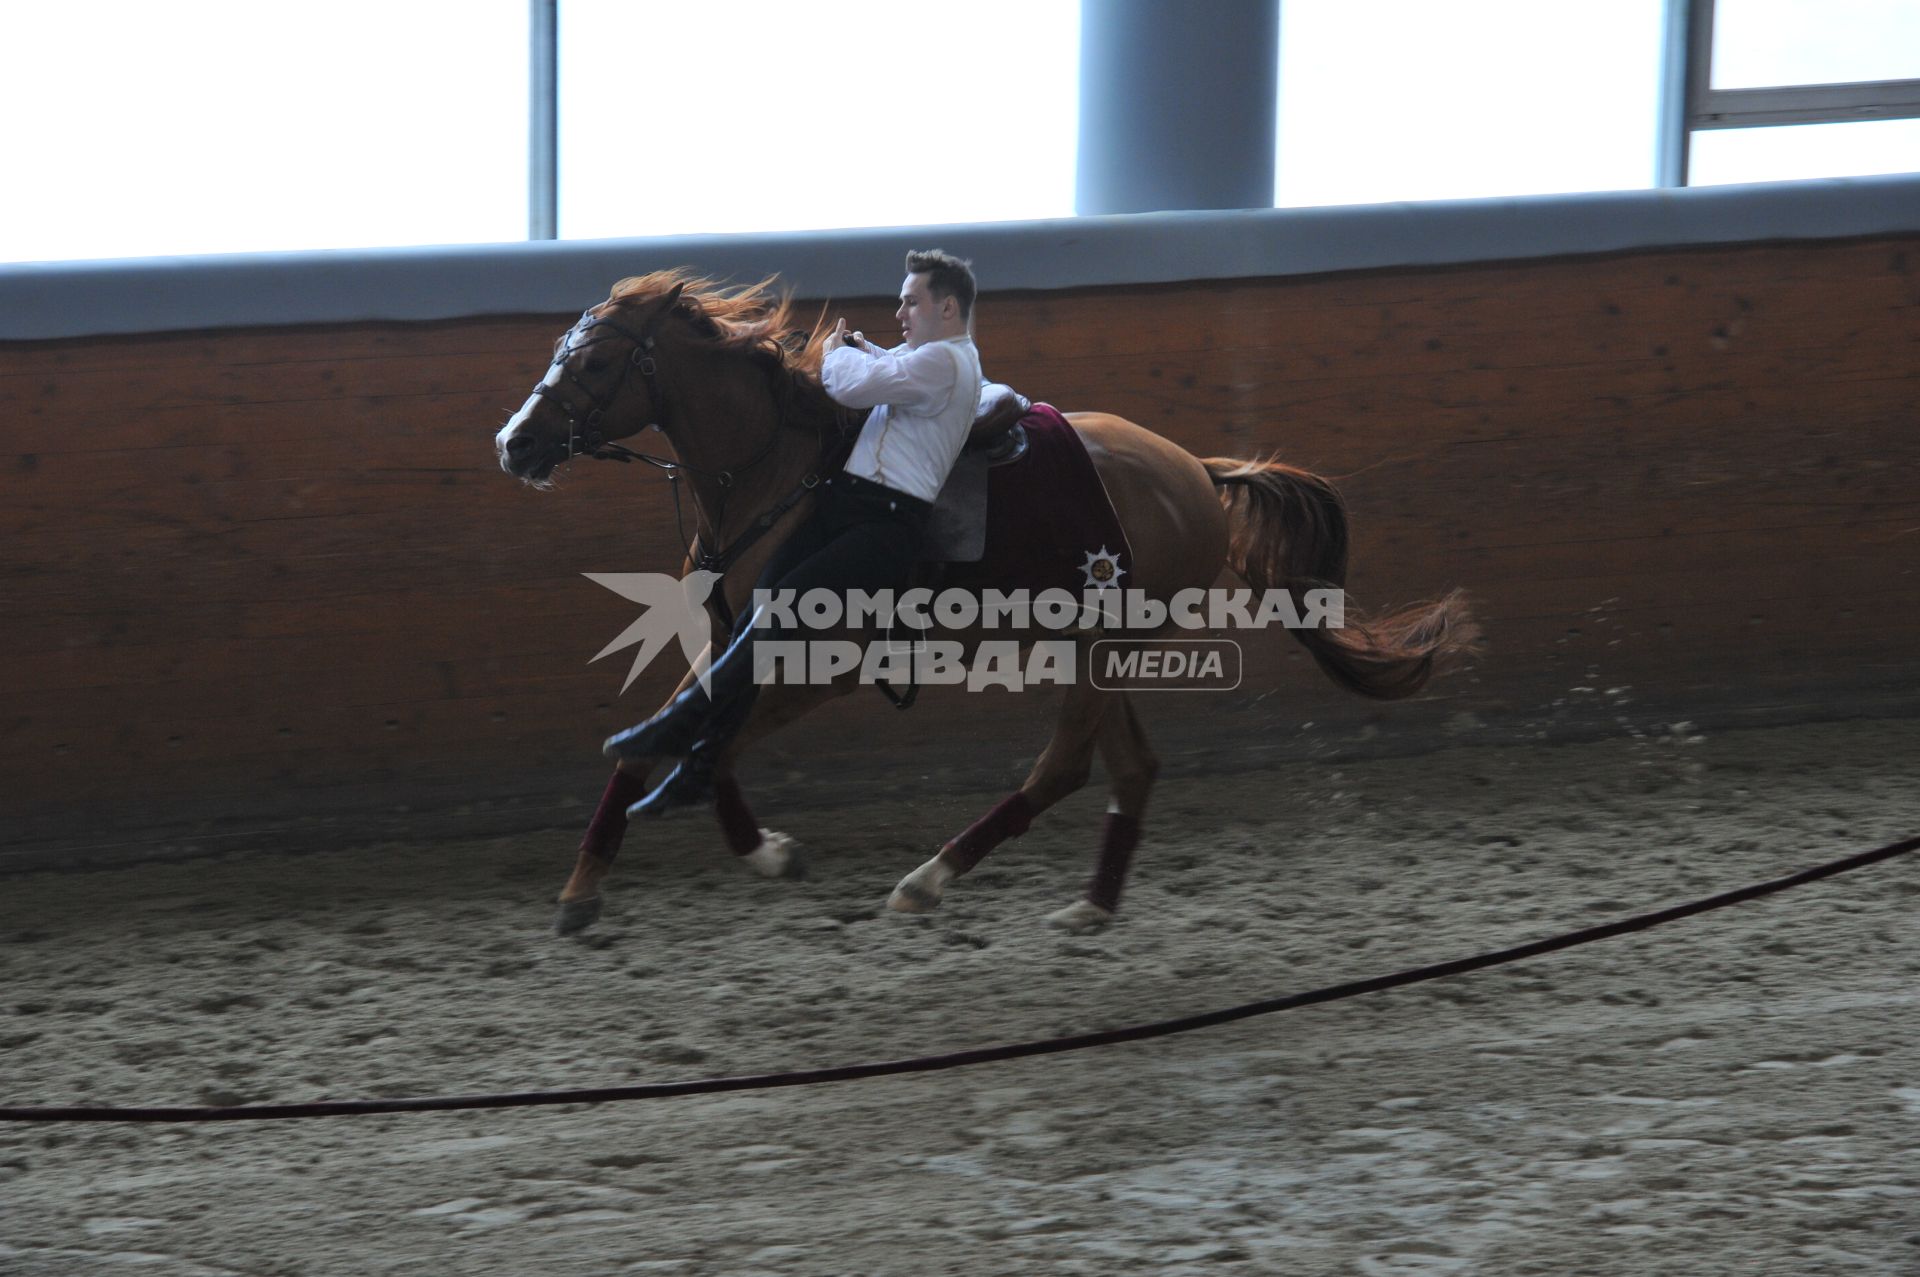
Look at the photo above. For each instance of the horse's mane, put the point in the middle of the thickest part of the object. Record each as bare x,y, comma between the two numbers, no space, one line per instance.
755,320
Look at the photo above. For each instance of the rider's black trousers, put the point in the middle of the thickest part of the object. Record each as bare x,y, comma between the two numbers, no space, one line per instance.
860,535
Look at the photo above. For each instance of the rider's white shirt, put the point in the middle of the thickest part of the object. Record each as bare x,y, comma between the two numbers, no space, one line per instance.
923,398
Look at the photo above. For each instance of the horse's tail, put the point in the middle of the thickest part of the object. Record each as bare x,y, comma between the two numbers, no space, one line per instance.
1288,530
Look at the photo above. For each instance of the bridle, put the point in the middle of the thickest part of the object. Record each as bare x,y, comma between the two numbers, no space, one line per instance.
586,437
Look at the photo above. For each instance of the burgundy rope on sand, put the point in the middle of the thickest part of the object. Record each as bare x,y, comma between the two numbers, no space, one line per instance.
960,1059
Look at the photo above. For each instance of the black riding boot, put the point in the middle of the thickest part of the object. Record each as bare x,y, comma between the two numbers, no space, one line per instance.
678,726
691,783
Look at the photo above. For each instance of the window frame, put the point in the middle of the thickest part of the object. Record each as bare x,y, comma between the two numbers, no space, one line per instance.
1690,60
543,121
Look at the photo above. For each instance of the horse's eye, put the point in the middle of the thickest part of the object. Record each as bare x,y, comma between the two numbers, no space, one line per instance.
596,363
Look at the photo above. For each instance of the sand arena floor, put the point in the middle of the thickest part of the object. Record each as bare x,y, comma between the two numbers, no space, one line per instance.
1738,1093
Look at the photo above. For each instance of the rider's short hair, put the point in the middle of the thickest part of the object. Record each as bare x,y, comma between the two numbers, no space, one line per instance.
947,276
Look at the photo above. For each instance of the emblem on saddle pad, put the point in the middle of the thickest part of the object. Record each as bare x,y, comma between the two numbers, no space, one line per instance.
1102,568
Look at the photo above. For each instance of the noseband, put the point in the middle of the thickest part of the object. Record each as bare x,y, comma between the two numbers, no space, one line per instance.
585,438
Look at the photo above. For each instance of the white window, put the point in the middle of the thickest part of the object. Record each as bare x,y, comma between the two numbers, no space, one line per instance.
135,128
763,115
1412,99
1787,152
1761,43
1804,88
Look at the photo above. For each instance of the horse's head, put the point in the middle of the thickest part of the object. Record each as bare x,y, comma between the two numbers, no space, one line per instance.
603,385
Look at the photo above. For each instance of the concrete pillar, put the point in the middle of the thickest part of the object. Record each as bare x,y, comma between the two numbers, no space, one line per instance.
1177,104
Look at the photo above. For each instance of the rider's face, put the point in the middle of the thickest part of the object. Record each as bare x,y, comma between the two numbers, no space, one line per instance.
923,317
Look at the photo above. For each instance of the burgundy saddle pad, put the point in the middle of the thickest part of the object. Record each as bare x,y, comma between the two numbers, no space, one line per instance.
1050,525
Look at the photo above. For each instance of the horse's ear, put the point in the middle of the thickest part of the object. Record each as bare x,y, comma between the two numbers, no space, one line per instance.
673,296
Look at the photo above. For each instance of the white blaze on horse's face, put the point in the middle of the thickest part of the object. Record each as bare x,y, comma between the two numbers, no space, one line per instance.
519,420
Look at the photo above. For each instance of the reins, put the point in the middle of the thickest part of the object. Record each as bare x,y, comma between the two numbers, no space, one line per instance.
586,439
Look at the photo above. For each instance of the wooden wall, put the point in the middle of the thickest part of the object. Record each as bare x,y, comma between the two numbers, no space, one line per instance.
270,583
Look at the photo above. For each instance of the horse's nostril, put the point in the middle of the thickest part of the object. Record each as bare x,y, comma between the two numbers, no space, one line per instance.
519,445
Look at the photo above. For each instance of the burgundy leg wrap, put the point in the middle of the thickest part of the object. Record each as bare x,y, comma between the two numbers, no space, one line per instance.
609,823
1116,855
1008,820
742,831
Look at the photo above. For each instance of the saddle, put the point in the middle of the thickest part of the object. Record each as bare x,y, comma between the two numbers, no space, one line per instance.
957,524
1024,509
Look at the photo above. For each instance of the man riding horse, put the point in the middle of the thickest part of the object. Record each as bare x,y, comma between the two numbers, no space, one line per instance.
717,371
866,529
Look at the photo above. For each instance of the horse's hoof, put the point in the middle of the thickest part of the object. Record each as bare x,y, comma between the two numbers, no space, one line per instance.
920,891
1080,917
577,915
777,856
907,899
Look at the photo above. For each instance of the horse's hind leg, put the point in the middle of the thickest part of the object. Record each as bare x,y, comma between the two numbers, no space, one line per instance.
1131,769
1062,768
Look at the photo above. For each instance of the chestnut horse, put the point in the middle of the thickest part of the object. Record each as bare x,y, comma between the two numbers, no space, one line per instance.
720,372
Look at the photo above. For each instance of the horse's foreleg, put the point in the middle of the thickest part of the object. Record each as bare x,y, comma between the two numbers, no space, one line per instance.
580,900
1131,769
1062,768
767,852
